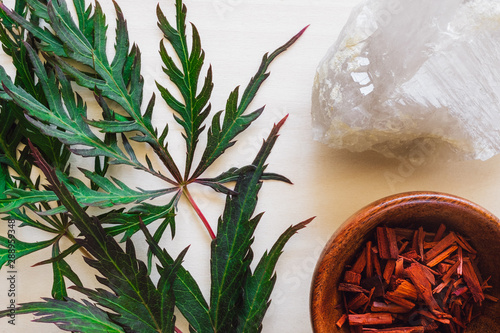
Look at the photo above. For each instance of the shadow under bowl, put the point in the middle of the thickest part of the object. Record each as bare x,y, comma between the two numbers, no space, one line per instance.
407,210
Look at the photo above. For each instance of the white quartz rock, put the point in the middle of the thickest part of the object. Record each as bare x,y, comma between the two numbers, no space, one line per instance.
406,73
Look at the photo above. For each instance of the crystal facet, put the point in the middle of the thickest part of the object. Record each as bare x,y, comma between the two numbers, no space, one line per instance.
403,72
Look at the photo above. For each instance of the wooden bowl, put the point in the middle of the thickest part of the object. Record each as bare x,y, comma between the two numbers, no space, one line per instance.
413,209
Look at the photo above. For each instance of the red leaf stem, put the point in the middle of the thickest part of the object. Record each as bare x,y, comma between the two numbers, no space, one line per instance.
198,211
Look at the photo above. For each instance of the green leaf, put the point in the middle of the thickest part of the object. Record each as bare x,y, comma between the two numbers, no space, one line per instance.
85,22
77,46
38,9
5,181
217,183
157,237
100,39
121,81
122,45
192,110
11,136
220,137
114,193
26,220
92,54
14,128
128,222
166,288
260,284
68,128
134,297
23,197
61,269
168,274
188,296
69,315
275,176
231,252
48,41
62,255
111,194
111,83
13,39
13,248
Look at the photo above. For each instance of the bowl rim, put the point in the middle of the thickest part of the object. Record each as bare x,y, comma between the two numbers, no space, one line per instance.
378,207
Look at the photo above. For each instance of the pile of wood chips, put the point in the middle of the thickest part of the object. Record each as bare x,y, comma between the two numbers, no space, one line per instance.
409,281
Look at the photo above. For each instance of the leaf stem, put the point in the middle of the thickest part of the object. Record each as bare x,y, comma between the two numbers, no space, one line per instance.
83,250
198,211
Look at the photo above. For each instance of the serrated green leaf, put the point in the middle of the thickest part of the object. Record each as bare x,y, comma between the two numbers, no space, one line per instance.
71,129
157,237
11,136
121,42
135,293
135,297
111,194
62,255
69,315
222,137
5,181
111,86
38,9
125,306
14,128
188,295
61,269
258,286
166,288
235,121
193,110
26,220
23,197
77,46
113,126
231,253
85,22
100,29
13,248
128,222
92,54
217,182
49,42
122,85
116,192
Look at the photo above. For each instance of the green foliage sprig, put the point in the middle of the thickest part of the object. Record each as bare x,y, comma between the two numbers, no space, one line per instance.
44,121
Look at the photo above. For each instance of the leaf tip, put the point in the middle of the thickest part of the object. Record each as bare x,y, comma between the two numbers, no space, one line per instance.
300,33
279,124
303,224
304,29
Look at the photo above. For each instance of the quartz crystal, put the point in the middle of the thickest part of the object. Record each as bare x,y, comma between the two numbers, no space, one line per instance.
405,74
